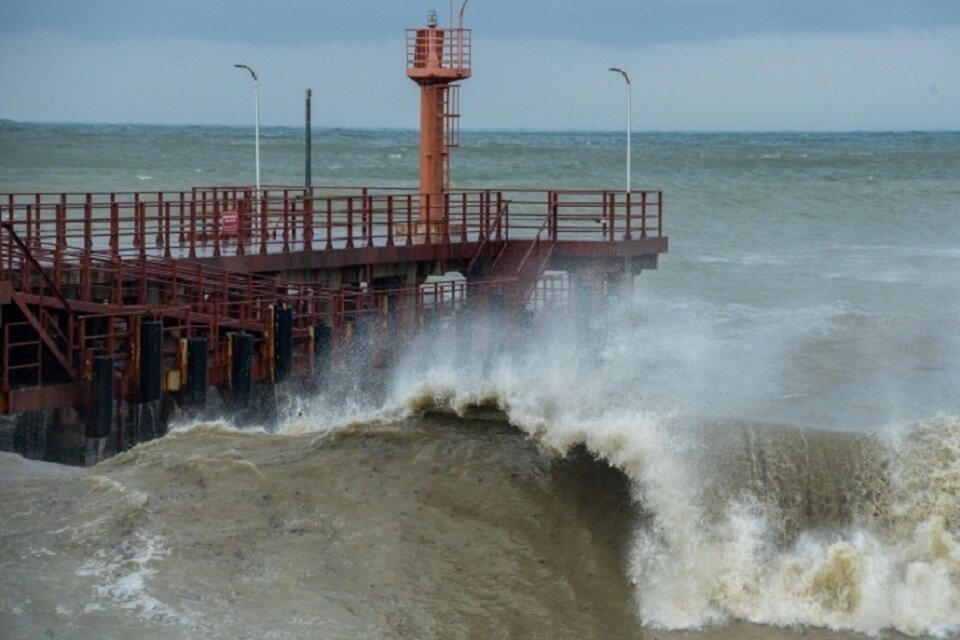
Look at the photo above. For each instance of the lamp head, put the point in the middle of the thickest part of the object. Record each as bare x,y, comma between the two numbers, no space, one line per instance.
252,73
621,72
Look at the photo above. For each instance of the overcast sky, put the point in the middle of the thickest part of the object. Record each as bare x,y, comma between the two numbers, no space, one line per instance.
538,64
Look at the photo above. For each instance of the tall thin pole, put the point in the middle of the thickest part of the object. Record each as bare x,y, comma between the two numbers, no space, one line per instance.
256,122
256,132
308,182
629,119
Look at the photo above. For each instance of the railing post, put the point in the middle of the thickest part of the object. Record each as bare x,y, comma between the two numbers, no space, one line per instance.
264,219
350,222
483,217
141,214
445,217
116,284
207,230
137,240
643,196
29,237
142,295
329,224
217,226
88,223
506,221
61,226
114,225
161,210
643,215
553,232
426,237
608,226
180,236
463,227
38,209
368,218
307,222
241,209
613,223
389,220
409,219
659,213
166,243
286,222
193,225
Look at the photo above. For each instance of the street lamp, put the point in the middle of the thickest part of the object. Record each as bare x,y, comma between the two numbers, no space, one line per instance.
256,121
629,125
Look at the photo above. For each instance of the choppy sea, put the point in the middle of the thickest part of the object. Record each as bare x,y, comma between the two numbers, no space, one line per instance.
760,439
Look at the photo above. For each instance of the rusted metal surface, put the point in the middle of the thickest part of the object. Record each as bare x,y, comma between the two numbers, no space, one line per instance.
48,396
437,58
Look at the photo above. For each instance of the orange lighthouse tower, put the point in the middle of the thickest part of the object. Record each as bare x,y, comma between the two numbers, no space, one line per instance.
436,59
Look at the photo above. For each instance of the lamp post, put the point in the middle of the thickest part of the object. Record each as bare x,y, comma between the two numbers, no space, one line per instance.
256,121
629,124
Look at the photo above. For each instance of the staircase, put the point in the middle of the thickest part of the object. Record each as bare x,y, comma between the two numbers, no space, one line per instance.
31,281
517,267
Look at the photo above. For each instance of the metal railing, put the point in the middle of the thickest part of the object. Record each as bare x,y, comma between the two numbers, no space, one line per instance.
218,221
429,49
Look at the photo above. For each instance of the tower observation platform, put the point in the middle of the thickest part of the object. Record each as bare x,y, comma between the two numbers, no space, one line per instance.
112,302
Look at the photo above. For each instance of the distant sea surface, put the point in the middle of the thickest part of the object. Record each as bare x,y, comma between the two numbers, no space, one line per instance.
760,439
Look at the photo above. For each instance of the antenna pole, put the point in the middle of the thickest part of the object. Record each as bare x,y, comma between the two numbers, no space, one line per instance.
309,137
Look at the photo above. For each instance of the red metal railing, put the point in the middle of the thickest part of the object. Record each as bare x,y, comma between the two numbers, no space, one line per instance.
217,221
439,48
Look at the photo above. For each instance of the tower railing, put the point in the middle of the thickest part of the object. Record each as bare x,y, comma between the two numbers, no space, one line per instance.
439,48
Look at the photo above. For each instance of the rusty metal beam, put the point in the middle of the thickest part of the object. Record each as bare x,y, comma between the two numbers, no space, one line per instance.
48,396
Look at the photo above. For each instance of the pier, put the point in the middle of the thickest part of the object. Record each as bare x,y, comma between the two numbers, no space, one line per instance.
112,301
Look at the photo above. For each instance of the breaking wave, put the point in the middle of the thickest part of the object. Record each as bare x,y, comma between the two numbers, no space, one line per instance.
757,522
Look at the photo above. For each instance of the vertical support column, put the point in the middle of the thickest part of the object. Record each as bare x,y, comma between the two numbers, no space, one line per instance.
196,387
240,368
149,361
282,343
322,351
100,418
392,336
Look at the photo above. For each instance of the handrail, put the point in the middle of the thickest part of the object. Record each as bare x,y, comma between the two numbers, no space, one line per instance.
536,242
33,261
502,210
